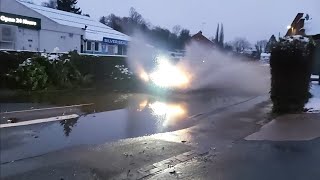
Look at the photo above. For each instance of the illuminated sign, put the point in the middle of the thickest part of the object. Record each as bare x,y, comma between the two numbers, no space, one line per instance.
21,21
115,41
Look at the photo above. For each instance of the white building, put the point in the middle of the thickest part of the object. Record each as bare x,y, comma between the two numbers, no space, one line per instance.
25,26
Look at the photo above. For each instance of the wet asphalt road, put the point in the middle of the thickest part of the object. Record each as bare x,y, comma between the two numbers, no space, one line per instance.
261,160
83,154
250,160
108,119
50,153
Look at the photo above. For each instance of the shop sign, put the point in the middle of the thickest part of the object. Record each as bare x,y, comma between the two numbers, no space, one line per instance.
114,41
21,21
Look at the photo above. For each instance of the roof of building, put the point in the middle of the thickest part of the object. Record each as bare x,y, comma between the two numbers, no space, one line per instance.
202,39
94,31
312,25
304,24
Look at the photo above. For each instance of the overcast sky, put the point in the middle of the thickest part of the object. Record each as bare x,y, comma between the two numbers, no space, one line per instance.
252,19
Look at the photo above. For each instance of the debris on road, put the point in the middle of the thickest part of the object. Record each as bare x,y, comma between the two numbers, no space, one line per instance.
12,120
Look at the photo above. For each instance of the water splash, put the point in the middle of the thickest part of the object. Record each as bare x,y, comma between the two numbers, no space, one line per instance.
206,68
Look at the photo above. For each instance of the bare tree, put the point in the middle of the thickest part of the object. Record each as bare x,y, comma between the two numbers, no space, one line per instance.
136,17
176,29
157,36
262,44
184,37
239,44
112,21
228,46
261,47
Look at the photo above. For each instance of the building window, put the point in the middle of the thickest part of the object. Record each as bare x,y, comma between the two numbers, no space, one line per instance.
120,47
124,50
104,48
113,49
88,45
96,46
116,49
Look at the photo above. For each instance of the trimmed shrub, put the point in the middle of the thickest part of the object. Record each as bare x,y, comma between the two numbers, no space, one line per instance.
291,66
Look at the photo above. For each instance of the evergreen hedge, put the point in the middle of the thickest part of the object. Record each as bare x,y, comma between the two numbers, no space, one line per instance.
291,66
316,69
104,71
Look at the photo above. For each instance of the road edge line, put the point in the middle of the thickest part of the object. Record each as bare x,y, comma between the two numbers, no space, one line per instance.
42,109
39,121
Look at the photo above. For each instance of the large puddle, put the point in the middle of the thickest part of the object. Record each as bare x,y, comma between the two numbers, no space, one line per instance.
112,116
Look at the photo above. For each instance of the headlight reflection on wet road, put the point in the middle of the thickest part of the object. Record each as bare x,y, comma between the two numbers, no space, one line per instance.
143,105
170,112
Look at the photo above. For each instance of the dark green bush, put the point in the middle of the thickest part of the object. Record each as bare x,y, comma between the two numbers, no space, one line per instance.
10,60
106,71
65,71
100,67
291,66
39,73
30,74
316,56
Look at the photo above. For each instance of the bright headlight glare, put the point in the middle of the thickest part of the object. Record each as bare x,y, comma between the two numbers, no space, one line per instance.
168,75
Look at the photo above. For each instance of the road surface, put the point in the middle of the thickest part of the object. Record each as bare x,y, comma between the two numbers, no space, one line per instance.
197,136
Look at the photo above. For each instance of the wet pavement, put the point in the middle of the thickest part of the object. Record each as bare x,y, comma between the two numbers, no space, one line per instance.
254,160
